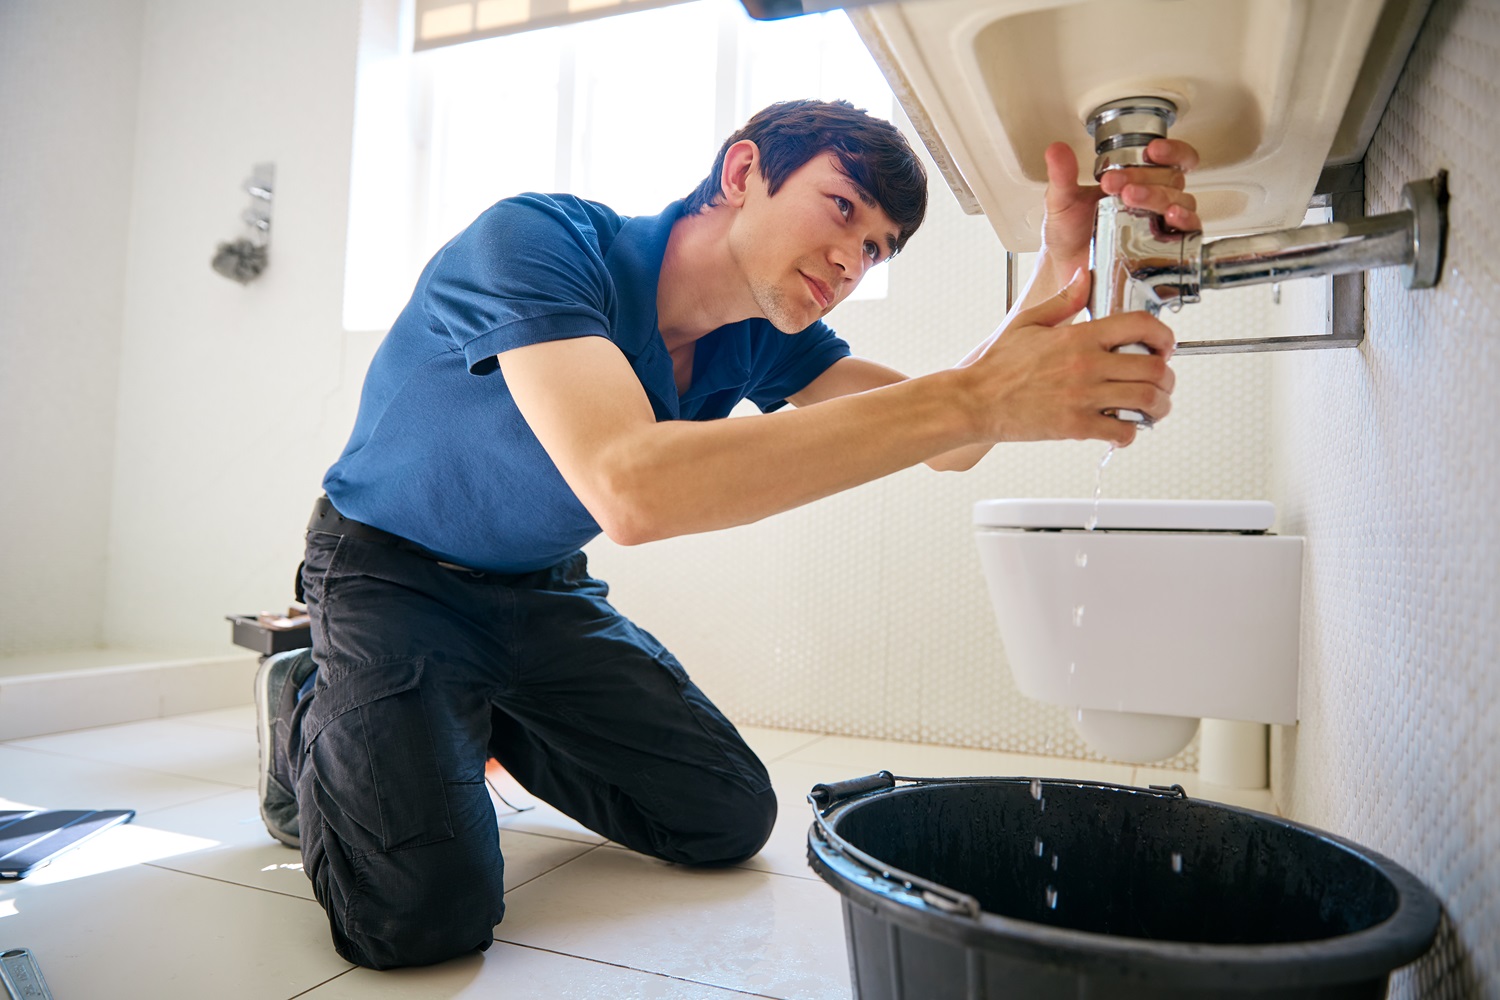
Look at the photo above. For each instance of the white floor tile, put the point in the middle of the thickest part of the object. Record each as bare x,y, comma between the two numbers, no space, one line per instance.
224,838
729,927
166,745
231,844
535,816
786,852
1258,799
515,973
928,761
36,780
143,932
241,717
528,856
772,744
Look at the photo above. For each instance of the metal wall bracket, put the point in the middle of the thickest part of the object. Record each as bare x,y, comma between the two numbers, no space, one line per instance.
1342,189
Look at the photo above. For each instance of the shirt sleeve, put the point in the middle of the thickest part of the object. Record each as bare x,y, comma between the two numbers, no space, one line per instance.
527,271
787,364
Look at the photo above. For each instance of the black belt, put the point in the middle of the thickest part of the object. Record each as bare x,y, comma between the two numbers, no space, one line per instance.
327,520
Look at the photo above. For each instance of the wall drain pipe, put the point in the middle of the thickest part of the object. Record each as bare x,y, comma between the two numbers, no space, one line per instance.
1140,263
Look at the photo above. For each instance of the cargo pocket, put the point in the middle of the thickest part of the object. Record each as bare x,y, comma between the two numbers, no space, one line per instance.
377,780
735,758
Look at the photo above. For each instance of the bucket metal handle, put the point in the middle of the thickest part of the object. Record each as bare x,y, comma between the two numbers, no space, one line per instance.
827,793
824,796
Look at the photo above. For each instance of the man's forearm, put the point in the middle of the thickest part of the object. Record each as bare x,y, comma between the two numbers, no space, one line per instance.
682,477
643,479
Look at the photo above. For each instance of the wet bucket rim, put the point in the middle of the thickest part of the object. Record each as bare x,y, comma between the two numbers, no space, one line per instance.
1367,953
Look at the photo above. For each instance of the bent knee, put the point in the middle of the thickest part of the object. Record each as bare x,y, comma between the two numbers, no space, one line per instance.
420,907
397,943
743,831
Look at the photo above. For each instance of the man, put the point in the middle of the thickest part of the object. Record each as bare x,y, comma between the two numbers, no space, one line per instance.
559,372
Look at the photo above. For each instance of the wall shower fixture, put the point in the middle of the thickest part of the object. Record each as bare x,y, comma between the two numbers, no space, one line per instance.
244,259
1140,263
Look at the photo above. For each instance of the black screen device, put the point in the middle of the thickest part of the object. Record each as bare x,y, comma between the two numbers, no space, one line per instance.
31,838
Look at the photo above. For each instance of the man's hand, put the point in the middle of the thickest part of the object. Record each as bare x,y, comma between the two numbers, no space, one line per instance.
1044,379
1069,223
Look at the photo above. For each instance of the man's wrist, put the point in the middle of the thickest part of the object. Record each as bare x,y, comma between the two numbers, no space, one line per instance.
1054,270
1050,273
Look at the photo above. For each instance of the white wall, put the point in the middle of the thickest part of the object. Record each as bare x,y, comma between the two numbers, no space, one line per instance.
165,429
224,389
68,96
1386,460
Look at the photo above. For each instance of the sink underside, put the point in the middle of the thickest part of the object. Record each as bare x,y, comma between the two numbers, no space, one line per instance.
1261,87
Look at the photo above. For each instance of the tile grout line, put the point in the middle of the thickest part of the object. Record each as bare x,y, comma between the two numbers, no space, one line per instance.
229,882
139,813
318,986
815,739
554,836
631,968
611,845
107,725
562,864
128,767
211,725
197,800
763,871
589,850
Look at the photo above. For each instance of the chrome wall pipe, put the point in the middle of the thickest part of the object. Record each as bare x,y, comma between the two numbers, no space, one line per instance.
1140,263
1394,240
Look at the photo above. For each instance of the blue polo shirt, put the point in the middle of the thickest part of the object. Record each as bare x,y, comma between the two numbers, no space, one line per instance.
441,455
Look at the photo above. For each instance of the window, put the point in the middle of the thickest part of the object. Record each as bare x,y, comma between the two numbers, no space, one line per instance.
628,110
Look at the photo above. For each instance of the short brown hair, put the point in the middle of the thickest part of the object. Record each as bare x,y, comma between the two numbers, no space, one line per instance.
871,151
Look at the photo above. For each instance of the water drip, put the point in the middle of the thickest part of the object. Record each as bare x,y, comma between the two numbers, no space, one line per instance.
1093,521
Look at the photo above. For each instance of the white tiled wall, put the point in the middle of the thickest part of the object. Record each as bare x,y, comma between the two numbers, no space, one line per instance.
1386,460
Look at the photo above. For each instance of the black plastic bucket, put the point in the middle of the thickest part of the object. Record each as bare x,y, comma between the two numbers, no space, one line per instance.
977,888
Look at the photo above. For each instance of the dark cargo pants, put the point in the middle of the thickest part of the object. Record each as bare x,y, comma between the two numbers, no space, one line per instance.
425,672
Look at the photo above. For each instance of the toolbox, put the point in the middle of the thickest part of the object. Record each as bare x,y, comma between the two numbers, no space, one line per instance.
272,633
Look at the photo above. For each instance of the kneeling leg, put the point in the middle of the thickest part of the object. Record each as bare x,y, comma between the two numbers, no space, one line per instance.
398,833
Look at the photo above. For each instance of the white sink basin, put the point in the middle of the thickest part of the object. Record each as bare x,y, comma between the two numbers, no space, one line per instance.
1261,88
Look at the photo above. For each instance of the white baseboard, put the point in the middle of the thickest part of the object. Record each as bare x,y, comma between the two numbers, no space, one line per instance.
78,694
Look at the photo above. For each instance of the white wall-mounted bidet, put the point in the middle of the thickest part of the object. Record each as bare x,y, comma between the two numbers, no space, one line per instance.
1168,612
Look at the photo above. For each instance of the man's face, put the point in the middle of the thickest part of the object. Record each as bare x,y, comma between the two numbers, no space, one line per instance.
805,249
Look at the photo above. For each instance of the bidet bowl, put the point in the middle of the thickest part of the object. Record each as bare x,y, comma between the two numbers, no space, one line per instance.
1136,618
1134,736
